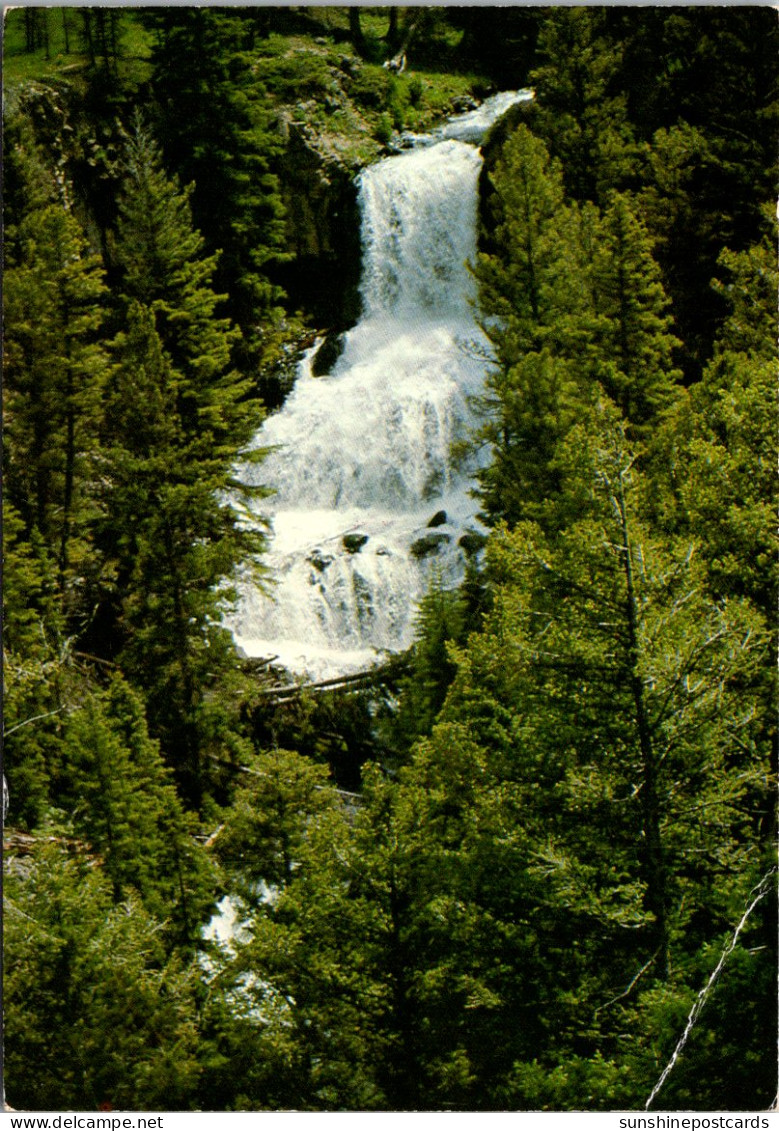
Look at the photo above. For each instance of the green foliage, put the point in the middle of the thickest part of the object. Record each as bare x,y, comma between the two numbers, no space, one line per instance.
165,270
55,374
717,448
582,111
723,1065
121,799
608,84
521,282
36,684
383,130
573,305
442,617
290,977
50,42
610,692
28,184
177,417
532,316
335,729
293,76
95,1014
216,121
634,336
264,833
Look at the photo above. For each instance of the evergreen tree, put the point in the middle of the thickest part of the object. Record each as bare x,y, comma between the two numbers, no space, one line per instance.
536,318
583,112
715,453
165,269
94,1013
218,134
608,689
634,338
56,370
264,834
122,801
295,1020
441,618
522,279
37,680
175,542
177,417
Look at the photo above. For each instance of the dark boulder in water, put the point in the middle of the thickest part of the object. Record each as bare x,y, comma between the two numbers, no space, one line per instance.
353,543
428,544
471,542
319,560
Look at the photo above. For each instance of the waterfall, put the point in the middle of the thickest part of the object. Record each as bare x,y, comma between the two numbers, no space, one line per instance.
368,503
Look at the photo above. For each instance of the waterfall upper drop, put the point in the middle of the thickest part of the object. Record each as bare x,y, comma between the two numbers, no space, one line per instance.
361,459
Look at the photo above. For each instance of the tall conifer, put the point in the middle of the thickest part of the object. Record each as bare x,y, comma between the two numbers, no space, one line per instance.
56,370
635,343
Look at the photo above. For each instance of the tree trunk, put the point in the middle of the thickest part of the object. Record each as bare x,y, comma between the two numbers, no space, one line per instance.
86,15
355,29
393,35
45,31
30,29
656,895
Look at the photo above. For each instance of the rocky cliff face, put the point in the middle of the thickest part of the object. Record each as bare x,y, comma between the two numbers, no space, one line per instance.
323,225
318,175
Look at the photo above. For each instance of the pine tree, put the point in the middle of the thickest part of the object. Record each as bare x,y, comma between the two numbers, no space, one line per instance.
715,452
293,963
165,269
441,618
56,370
635,342
583,112
537,319
687,234
36,680
94,1013
218,134
175,542
121,799
177,418
609,690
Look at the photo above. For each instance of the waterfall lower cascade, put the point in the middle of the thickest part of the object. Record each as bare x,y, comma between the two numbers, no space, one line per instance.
369,505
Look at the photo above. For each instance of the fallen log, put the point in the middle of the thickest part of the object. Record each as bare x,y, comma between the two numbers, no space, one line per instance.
285,692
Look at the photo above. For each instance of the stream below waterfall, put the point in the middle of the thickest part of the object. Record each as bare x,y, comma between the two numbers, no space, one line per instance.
369,503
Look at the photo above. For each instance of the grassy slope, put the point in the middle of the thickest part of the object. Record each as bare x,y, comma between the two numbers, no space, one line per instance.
19,65
352,109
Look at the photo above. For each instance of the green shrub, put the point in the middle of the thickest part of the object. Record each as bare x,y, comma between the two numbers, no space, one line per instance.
416,89
383,129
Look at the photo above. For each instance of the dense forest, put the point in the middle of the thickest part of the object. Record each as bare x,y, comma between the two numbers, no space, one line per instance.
503,870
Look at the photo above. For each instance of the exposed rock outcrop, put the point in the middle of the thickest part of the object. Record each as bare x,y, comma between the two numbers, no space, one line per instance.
323,225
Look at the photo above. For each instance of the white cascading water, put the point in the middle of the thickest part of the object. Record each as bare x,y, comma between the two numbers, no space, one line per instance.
362,458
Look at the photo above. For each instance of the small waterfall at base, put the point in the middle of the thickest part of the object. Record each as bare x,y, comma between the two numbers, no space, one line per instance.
369,505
